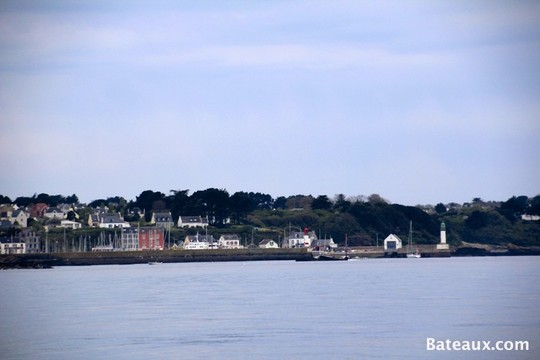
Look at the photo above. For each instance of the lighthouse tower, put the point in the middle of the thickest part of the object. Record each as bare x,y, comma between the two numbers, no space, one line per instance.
443,245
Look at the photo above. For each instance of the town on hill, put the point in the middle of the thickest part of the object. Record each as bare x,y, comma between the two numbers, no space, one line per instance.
214,219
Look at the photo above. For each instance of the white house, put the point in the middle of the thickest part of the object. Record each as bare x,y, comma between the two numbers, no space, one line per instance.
54,213
20,217
162,219
111,221
68,224
192,221
231,241
268,244
14,216
392,243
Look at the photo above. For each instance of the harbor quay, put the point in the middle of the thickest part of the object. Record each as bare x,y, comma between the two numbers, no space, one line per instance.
148,256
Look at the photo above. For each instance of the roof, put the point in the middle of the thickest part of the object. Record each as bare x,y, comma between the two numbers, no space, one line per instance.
40,206
230,237
111,218
163,216
17,212
191,219
6,208
266,241
163,213
392,237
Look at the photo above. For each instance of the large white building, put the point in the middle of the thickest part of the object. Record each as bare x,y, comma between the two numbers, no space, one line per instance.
12,246
130,239
392,243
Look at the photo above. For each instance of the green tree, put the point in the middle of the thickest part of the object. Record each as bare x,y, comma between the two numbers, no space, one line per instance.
72,199
179,201
24,201
338,226
5,200
214,202
321,202
514,207
341,203
376,199
280,202
147,198
299,202
262,201
97,203
440,208
477,220
534,206
241,204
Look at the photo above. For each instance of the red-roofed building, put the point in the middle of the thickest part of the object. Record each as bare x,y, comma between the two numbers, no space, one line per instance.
38,210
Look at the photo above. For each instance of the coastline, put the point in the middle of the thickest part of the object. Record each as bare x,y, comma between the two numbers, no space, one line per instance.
44,261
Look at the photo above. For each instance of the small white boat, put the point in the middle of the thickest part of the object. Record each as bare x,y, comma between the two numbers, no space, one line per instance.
155,263
415,254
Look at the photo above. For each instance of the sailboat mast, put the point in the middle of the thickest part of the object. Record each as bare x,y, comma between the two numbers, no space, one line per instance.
410,236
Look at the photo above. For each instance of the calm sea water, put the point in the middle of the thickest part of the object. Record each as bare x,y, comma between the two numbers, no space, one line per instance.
366,309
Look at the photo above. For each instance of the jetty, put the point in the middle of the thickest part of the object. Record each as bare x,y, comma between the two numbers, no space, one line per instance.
41,261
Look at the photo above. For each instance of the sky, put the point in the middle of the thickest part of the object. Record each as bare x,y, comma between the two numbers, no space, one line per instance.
420,102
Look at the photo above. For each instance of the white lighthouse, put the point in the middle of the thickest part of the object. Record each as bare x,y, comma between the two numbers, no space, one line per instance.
443,245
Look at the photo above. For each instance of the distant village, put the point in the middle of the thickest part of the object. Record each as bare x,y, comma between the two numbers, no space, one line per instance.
37,227
129,236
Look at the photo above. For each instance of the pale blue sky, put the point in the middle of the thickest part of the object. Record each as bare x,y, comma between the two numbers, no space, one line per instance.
418,101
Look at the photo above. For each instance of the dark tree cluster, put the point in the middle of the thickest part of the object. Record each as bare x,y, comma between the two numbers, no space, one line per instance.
51,200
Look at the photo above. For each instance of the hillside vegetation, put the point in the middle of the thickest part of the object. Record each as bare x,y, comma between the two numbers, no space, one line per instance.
363,220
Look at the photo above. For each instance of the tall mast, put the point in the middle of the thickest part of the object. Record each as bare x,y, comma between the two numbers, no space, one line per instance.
410,236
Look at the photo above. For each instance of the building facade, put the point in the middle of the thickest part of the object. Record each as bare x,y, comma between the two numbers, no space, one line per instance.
151,238
230,241
12,246
392,243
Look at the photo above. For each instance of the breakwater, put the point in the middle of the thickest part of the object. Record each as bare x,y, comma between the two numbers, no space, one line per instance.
39,261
